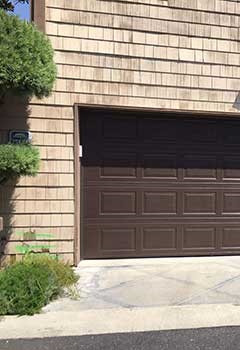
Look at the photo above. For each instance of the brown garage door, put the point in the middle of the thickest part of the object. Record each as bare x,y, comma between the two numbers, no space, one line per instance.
159,185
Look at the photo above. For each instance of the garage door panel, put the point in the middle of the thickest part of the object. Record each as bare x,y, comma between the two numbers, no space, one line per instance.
115,150
160,166
106,202
118,239
159,203
108,170
199,203
230,238
231,203
159,186
159,238
119,127
155,130
195,131
111,169
115,163
117,203
90,130
230,133
120,164
199,238
110,241
231,167
200,167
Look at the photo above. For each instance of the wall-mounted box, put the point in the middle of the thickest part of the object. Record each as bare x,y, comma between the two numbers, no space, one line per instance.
20,136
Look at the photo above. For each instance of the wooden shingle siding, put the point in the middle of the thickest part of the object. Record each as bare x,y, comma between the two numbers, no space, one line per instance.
43,204
164,54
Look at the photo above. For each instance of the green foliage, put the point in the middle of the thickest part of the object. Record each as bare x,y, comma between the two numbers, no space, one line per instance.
64,273
8,5
26,58
18,160
27,286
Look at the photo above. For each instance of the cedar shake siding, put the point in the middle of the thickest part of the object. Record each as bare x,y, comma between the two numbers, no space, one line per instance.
173,55
179,55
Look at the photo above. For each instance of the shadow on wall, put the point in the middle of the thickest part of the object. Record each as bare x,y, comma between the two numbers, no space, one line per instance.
14,114
236,103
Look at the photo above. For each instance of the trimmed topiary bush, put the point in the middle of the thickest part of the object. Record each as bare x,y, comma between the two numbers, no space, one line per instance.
18,160
26,58
27,286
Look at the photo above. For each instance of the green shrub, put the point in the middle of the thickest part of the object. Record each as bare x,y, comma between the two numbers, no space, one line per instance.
27,286
26,58
64,273
18,160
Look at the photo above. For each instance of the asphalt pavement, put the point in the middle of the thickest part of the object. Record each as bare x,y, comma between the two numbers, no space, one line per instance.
222,338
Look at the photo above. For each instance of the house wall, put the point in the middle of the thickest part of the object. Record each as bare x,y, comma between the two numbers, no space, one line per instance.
175,54
43,204
163,54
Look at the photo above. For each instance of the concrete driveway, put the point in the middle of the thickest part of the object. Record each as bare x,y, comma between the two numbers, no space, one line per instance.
149,283
118,296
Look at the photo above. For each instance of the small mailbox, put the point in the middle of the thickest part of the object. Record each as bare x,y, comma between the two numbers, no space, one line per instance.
20,136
